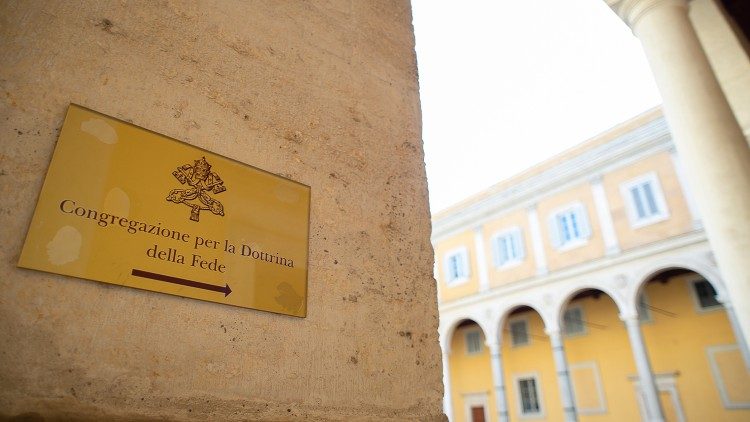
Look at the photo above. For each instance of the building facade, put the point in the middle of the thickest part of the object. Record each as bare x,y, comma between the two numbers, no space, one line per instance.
585,288
564,287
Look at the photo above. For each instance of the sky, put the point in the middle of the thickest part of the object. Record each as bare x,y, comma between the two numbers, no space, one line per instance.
506,84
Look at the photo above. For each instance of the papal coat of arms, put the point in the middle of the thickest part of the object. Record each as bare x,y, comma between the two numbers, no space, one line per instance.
202,181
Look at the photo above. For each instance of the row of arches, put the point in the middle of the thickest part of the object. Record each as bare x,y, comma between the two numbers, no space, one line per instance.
588,352
623,289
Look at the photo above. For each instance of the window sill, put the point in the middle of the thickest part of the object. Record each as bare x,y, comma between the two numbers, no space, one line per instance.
509,264
574,335
526,416
457,282
643,222
707,310
573,244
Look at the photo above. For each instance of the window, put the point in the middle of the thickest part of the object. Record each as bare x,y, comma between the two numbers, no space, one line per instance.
519,332
573,322
473,342
705,295
507,248
569,227
528,396
457,266
644,200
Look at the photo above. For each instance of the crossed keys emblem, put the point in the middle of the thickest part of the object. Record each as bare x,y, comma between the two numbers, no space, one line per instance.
202,181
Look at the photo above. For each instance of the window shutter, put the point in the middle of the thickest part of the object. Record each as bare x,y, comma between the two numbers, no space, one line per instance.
653,209
635,194
504,247
583,219
521,248
447,269
496,251
554,231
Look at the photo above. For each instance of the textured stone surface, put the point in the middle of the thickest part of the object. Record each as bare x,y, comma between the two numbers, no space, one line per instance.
322,92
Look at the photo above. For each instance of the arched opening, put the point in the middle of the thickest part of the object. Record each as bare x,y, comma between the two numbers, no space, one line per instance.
692,347
599,356
528,367
471,379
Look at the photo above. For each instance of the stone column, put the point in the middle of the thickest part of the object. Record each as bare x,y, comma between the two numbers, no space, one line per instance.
686,192
447,396
643,366
563,375
706,133
498,382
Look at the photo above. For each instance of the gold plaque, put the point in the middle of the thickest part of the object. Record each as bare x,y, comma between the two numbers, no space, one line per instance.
124,205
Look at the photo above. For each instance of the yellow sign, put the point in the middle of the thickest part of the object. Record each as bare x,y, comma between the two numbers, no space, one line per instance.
124,205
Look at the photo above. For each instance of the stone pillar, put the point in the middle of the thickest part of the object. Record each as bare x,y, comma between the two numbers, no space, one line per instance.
563,375
706,133
447,396
686,191
484,278
643,366
498,382
611,244
537,242
741,340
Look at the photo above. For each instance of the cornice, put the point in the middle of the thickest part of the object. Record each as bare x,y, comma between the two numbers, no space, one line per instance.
631,11
575,272
648,138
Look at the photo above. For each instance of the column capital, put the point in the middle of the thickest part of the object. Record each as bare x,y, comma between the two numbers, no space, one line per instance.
631,11
629,317
597,178
553,332
494,347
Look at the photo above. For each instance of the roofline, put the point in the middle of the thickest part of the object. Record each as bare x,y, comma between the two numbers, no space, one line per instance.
603,137
645,134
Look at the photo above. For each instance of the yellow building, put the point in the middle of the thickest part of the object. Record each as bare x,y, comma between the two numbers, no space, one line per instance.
577,272
585,288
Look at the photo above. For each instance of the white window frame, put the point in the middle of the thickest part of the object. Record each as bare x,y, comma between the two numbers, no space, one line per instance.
539,395
663,210
462,251
696,300
466,340
584,222
666,383
583,331
525,321
516,236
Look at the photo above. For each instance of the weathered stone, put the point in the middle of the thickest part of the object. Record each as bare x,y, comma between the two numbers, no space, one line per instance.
321,92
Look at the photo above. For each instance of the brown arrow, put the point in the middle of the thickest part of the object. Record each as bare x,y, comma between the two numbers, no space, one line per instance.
182,281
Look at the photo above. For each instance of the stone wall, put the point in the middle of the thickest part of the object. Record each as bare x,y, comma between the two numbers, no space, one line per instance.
322,92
